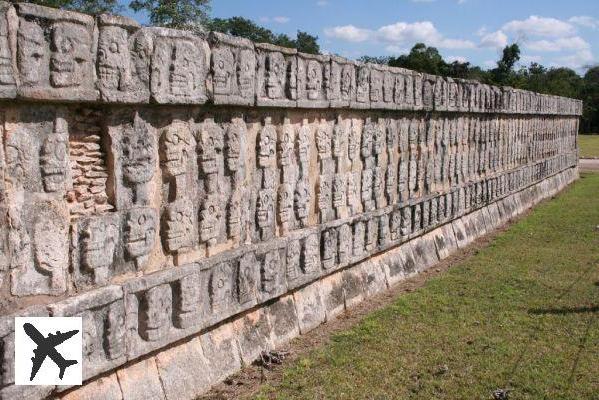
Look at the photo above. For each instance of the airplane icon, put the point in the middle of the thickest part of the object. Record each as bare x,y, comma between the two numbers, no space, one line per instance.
46,347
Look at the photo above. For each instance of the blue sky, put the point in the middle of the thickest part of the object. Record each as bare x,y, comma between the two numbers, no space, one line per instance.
551,32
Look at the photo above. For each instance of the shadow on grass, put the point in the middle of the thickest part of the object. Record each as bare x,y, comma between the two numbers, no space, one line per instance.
564,310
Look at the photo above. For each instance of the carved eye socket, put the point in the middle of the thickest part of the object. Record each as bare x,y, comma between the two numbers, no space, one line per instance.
65,45
141,220
221,64
220,284
114,47
211,209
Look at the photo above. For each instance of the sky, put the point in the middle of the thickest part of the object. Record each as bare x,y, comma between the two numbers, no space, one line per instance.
550,32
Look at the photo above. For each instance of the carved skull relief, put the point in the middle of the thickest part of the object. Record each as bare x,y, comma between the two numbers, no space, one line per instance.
211,146
179,225
71,54
345,243
210,217
155,312
301,201
188,300
304,142
267,144
286,144
176,147
339,191
138,149
222,70
275,75
247,280
246,71
114,61
19,156
311,254
140,231
98,242
314,79
270,272
346,81
32,51
285,203
221,286
329,248
339,138
368,138
235,132
6,72
293,260
55,162
265,208
323,140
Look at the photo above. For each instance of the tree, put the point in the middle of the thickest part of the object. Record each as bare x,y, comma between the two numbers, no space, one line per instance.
243,27
503,74
422,58
179,14
84,6
590,97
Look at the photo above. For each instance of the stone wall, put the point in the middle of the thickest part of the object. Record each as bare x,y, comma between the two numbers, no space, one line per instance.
200,198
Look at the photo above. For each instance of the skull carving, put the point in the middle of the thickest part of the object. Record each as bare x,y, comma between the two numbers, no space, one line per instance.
188,301
359,235
379,139
71,54
314,79
246,70
139,153
388,82
323,140
368,138
6,74
222,70
267,144
179,225
185,68
98,242
286,144
301,201
155,312
221,290
211,146
18,156
304,142
235,132
234,216
345,243
265,208
270,272
275,75
114,61
346,81
176,144
32,51
140,231
339,138
339,191
285,203
310,259
363,85
210,217
376,85
324,193
247,279
353,141
54,162
329,248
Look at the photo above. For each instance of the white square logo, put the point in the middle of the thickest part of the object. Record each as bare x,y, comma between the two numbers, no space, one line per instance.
48,350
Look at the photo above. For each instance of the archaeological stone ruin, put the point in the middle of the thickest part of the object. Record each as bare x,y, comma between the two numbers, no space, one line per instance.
198,198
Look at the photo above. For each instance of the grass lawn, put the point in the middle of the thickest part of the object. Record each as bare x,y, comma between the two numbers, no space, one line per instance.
520,314
589,145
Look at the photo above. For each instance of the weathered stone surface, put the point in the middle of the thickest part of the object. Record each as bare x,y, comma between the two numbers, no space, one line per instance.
141,381
157,224
183,371
104,388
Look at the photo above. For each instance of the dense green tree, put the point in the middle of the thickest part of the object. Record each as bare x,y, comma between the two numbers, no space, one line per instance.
590,97
503,74
243,27
180,14
85,6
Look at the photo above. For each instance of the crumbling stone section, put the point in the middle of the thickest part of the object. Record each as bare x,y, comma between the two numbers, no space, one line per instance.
197,199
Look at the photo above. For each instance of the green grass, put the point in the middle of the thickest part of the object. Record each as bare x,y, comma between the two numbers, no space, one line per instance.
521,314
589,145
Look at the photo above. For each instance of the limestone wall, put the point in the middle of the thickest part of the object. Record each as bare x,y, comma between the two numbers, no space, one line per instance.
200,198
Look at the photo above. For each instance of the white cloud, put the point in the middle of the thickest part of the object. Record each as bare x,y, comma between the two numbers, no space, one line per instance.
539,26
393,49
461,2
423,1
349,33
424,31
560,44
495,40
280,19
322,3
585,21
459,59
399,34
264,19
578,60
527,59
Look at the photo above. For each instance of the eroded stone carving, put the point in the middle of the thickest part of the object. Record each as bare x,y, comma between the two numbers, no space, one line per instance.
277,75
265,212
179,68
301,201
54,160
7,73
99,237
211,143
236,132
210,217
329,248
271,273
285,199
247,278
141,225
179,225
177,147
221,287
155,312
188,301
345,239
310,258
267,144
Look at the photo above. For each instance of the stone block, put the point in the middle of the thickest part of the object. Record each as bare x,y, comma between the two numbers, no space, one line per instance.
140,381
221,350
233,69
373,277
254,335
399,263
311,311
48,71
445,241
362,99
183,370
313,73
332,292
342,85
104,388
276,76
283,320
425,252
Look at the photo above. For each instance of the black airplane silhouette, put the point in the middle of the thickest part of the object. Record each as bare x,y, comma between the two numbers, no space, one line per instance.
46,347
